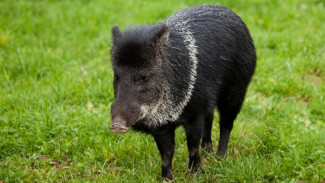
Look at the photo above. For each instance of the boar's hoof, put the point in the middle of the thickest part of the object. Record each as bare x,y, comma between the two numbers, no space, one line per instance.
118,128
165,179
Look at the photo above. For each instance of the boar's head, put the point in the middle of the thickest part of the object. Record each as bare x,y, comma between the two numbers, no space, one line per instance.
138,73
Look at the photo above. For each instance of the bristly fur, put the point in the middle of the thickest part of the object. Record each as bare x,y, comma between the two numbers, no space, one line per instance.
140,43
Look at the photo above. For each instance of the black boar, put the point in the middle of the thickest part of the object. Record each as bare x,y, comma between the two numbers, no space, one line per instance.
175,72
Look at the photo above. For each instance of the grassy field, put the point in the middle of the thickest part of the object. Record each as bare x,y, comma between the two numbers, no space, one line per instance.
56,91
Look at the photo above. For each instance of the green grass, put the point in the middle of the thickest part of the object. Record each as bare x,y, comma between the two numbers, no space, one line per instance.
56,91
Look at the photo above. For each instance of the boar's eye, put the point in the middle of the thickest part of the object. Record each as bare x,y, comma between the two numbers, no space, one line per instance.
144,78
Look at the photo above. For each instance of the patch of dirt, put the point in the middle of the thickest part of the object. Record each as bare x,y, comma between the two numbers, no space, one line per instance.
303,101
54,162
60,165
313,77
116,168
42,158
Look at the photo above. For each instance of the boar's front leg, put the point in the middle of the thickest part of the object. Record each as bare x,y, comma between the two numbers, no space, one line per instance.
193,132
206,138
165,142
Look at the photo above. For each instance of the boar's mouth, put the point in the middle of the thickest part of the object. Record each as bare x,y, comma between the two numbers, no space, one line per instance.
118,128
119,125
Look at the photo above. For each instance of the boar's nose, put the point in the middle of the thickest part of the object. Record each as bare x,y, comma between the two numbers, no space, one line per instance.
124,113
118,125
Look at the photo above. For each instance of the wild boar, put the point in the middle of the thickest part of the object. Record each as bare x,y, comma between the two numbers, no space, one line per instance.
176,72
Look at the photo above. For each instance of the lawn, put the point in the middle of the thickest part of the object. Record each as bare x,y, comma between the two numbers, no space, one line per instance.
56,91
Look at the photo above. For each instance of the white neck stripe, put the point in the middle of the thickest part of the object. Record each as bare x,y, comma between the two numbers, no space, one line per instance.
167,110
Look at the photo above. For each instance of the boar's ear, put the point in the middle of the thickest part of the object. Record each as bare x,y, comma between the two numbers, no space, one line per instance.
161,35
116,34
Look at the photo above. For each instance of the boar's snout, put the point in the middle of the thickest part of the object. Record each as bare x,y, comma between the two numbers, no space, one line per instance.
118,126
124,114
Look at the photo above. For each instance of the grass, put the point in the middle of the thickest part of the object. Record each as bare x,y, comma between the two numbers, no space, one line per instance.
56,91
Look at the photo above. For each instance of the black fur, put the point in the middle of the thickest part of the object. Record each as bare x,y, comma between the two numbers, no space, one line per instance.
145,58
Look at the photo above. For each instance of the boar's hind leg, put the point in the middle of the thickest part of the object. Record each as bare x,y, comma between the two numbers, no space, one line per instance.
206,139
229,105
165,142
193,132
